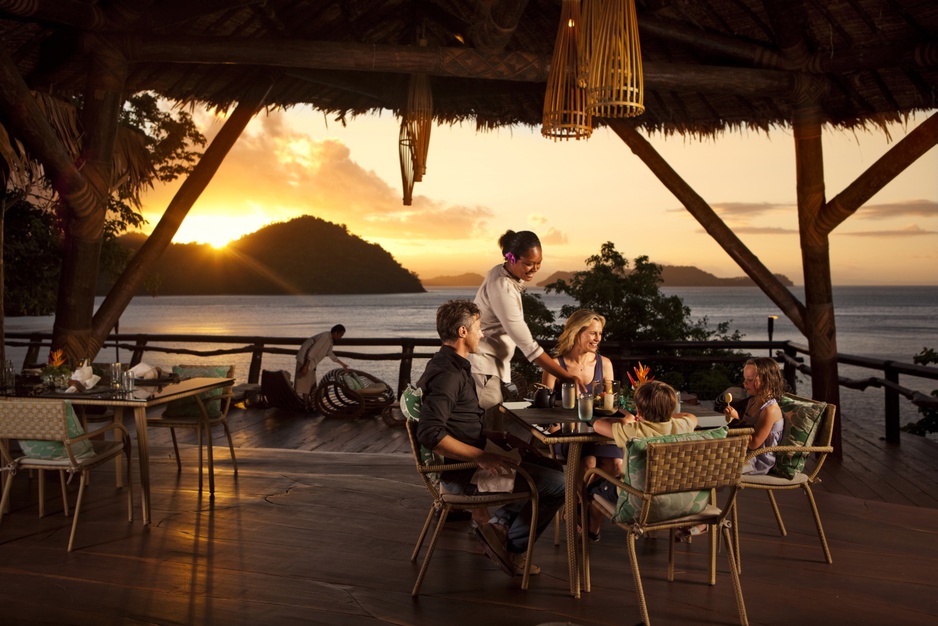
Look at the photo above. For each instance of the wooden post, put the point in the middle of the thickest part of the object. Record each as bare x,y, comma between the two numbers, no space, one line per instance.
407,364
815,255
257,356
892,405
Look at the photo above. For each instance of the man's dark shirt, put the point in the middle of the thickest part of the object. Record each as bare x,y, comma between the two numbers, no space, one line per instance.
450,405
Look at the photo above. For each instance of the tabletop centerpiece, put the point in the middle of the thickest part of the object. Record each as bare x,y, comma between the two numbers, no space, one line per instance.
56,372
642,375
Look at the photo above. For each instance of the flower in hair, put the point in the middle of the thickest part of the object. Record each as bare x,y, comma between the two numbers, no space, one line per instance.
510,258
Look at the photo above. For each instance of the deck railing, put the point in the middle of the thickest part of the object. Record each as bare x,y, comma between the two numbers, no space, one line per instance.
624,356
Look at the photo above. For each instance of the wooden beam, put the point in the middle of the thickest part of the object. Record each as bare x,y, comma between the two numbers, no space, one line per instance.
437,61
74,13
146,258
815,256
884,170
712,223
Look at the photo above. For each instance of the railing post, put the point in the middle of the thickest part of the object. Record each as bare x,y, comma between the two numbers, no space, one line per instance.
257,357
791,374
140,346
892,404
32,353
407,364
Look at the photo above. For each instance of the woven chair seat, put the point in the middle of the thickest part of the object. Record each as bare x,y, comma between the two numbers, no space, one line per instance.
483,499
775,481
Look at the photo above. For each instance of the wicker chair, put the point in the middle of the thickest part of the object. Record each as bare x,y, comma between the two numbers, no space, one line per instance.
351,394
673,468
429,466
278,392
199,416
802,480
47,421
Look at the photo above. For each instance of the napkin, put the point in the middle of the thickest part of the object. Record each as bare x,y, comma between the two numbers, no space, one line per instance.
85,377
502,482
144,371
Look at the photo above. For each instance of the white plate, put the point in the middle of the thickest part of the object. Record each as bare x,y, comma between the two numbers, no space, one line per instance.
516,406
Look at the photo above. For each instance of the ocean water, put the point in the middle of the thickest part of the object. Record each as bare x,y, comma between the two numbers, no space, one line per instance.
882,322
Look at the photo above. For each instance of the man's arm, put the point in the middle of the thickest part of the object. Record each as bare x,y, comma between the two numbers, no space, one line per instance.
453,448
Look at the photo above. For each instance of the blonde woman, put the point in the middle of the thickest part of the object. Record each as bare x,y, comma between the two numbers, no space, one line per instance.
577,352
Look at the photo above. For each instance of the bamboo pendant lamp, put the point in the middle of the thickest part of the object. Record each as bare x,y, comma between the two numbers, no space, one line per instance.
408,158
566,114
420,112
615,83
589,10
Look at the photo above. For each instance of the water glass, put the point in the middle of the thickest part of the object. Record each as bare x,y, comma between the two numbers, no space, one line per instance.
568,395
117,370
9,378
127,381
585,406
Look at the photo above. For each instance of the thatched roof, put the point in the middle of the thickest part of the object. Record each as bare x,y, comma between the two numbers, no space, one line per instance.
709,64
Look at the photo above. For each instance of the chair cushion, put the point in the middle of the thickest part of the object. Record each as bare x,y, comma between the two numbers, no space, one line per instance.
411,399
667,506
189,407
55,450
802,419
353,382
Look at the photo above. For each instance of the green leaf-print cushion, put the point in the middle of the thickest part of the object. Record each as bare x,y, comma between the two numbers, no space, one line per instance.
801,425
54,450
662,507
189,407
411,400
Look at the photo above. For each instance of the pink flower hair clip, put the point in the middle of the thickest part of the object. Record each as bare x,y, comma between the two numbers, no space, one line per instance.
510,258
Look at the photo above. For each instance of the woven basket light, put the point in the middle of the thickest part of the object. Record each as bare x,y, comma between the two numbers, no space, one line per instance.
420,112
615,84
407,153
566,115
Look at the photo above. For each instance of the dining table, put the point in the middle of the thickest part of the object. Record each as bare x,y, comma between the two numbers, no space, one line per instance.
575,433
145,395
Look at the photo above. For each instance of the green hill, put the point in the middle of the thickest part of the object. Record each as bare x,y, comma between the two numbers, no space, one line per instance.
683,276
305,255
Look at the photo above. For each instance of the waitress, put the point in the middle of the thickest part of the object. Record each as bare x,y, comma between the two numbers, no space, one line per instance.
502,320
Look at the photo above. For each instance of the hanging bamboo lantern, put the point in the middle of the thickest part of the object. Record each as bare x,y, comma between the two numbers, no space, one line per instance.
589,10
408,158
566,115
615,84
420,112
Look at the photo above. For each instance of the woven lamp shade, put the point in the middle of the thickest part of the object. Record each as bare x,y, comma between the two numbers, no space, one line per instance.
408,158
566,114
615,83
420,113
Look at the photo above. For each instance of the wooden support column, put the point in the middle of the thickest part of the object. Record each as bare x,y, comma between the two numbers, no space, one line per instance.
84,224
815,255
145,260
712,223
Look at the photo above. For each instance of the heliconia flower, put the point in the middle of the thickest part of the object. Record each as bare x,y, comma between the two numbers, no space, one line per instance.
641,375
56,358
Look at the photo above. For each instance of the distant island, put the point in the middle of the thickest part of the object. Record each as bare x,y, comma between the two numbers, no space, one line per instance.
305,255
672,275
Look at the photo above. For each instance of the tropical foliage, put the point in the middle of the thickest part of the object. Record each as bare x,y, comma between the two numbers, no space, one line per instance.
636,310
153,144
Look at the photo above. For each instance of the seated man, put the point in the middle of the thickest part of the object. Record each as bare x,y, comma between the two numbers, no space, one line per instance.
451,425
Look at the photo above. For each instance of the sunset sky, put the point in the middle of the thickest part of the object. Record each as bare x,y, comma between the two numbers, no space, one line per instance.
575,195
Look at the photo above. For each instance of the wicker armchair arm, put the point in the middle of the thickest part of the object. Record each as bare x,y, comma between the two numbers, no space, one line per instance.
612,479
818,449
99,431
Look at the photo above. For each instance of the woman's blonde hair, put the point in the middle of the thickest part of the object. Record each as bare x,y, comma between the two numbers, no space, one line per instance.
575,324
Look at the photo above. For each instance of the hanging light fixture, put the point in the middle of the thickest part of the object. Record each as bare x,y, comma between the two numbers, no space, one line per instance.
420,113
408,158
566,114
615,84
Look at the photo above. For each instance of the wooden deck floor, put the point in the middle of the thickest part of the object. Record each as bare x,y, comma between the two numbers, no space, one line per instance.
309,533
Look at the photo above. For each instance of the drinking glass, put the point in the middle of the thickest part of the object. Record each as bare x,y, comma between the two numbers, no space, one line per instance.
128,381
9,378
585,406
117,370
568,395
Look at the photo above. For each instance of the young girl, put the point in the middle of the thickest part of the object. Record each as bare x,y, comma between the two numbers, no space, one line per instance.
764,383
